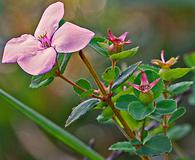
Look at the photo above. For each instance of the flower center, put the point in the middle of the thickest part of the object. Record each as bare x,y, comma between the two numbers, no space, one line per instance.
45,41
144,87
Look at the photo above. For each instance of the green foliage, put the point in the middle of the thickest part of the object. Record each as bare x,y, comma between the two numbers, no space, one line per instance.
110,74
63,60
156,145
177,114
105,116
41,80
122,146
51,127
83,83
96,44
81,109
140,111
125,75
124,100
124,54
145,67
189,59
179,131
180,87
166,106
173,74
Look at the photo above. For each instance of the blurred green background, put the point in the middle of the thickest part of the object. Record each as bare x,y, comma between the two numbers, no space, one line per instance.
152,25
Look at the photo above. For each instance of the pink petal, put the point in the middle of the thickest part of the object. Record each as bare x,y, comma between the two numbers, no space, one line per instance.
135,86
123,36
111,37
154,83
144,79
50,19
162,56
40,63
71,38
21,46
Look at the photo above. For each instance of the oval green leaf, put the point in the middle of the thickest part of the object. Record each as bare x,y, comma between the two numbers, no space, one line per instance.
96,44
140,111
177,114
166,106
156,145
122,146
124,54
180,87
81,109
124,100
125,75
174,74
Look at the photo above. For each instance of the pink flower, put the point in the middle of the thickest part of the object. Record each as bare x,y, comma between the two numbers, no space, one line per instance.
117,42
37,54
164,64
145,86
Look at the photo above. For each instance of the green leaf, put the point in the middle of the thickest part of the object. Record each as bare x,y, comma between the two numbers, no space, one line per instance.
122,146
124,100
180,87
124,54
41,80
84,84
179,131
110,74
125,75
63,60
81,109
152,76
166,106
156,145
132,123
105,116
51,127
189,59
145,67
177,114
140,111
62,21
173,74
96,44
86,94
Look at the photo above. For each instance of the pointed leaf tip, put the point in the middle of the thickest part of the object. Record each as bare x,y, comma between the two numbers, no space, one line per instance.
81,109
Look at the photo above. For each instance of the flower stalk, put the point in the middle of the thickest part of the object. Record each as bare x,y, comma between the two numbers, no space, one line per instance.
108,99
58,74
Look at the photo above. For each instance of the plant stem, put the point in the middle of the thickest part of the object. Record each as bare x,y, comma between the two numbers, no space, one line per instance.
165,124
74,84
93,72
108,100
143,129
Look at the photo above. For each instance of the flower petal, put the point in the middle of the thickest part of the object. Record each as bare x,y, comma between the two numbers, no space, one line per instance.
162,56
111,37
154,83
40,63
144,79
135,86
71,38
123,36
50,19
20,46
